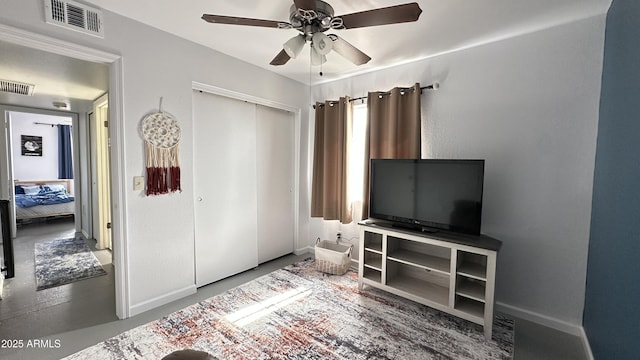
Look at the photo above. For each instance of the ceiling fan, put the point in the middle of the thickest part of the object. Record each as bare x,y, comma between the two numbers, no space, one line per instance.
313,17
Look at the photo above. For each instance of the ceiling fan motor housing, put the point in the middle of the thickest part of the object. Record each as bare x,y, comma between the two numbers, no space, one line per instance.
309,21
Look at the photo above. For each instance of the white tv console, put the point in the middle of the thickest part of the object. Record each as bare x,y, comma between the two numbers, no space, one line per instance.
454,273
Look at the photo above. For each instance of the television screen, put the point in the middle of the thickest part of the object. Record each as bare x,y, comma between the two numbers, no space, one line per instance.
428,193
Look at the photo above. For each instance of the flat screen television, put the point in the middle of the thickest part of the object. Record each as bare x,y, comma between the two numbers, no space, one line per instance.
428,194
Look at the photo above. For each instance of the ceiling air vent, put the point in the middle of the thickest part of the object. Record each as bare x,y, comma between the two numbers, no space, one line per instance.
15,87
75,16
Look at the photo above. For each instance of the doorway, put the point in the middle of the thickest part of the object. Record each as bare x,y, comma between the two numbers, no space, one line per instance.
113,63
39,147
36,165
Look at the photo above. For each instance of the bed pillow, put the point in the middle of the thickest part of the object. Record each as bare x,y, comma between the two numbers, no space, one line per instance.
31,190
19,190
54,187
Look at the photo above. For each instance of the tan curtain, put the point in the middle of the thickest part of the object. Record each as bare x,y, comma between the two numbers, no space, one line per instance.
330,160
393,129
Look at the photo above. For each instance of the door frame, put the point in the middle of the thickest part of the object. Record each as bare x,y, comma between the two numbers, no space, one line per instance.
297,113
116,77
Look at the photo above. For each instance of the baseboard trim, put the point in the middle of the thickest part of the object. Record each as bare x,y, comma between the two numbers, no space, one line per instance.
161,300
304,250
585,344
539,319
548,321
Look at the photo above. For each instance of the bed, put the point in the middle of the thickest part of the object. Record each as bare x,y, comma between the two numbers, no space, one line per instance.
43,199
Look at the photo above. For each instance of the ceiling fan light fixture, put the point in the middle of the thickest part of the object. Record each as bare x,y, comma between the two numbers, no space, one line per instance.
325,22
321,43
317,58
294,45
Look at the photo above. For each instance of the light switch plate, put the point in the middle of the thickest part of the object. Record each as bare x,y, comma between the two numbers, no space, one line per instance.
138,183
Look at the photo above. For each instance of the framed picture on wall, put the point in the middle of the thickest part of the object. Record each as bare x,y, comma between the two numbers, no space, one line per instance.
31,145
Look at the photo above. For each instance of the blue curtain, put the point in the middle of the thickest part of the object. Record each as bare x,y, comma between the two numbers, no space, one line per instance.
65,162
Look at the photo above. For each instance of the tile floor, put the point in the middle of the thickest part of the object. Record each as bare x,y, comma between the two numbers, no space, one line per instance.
74,316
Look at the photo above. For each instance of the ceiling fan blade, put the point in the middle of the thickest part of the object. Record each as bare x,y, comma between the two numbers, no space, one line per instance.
382,16
349,51
232,20
305,4
280,59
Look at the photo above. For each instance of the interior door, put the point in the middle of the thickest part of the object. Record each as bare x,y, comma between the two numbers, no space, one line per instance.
275,180
225,187
102,180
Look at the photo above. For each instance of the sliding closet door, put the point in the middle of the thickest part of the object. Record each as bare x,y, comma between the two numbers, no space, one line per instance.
225,187
275,177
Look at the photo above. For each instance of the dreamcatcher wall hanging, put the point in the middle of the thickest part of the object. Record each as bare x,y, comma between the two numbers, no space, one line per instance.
161,134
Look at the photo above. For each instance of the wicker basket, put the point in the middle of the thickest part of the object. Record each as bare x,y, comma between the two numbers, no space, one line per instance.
332,258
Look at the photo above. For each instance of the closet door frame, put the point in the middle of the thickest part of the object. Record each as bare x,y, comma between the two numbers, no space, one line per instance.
297,113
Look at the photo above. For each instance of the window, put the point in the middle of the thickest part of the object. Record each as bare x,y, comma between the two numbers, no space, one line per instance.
355,177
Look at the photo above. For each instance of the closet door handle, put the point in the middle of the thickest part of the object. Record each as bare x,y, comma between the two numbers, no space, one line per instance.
199,198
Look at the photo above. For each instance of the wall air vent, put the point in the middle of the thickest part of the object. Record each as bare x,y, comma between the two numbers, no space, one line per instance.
75,16
15,87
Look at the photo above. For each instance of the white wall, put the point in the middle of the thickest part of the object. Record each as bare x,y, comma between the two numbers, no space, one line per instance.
159,230
43,167
529,106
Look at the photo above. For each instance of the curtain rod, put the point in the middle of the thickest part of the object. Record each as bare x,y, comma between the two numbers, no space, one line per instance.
434,86
41,123
49,124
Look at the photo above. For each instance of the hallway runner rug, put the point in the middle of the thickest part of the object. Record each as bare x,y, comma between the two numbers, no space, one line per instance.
63,261
296,313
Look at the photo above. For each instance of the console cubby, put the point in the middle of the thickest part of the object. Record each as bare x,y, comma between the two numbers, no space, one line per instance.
418,281
471,288
470,306
373,275
450,272
373,260
426,256
472,265
373,242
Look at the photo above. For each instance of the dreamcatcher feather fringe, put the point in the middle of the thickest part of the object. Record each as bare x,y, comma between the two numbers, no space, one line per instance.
163,169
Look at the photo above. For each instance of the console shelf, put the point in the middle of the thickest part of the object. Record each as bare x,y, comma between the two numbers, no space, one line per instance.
471,289
420,260
420,288
473,271
450,272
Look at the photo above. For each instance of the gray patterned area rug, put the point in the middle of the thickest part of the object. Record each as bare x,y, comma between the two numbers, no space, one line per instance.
296,313
63,261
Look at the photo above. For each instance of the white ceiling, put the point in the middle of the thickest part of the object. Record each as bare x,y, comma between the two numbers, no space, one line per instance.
56,78
445,25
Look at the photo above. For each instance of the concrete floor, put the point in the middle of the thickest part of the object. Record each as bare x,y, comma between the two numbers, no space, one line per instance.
74,316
